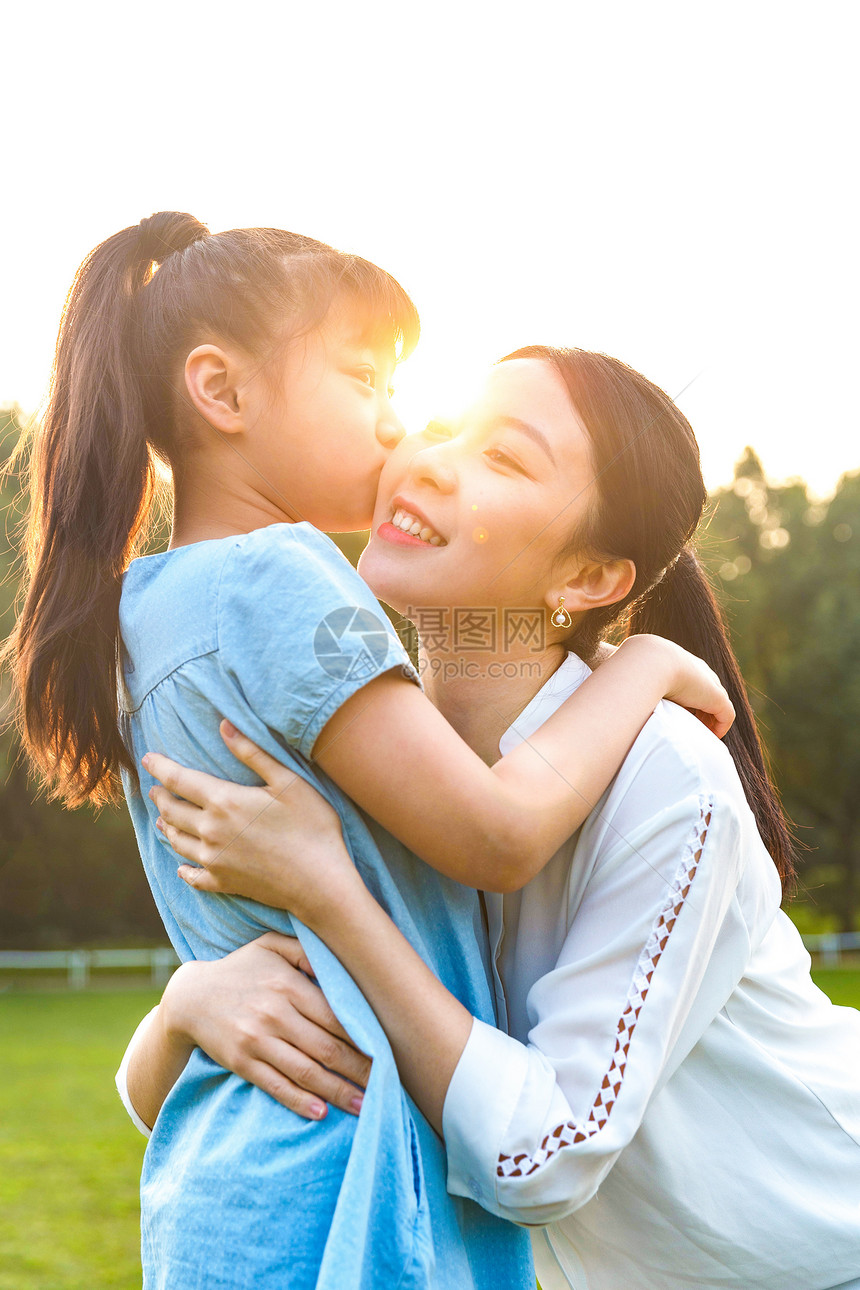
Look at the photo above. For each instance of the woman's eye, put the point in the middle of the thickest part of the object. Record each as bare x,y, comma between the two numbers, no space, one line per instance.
366,375
496,454
439,430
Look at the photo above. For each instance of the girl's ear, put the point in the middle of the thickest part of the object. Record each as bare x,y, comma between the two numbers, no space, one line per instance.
593,584
211,381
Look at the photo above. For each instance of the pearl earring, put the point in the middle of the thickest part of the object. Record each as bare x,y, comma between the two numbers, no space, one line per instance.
561,618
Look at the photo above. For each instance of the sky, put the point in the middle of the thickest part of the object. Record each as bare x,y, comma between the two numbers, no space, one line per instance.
670,183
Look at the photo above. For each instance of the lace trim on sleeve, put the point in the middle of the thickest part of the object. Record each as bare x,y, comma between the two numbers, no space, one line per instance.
565,1135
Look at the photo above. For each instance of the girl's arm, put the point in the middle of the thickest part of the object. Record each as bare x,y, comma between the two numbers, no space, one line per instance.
493,828
256,1012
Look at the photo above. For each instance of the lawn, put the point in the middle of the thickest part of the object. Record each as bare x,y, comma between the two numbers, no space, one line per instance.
69,1158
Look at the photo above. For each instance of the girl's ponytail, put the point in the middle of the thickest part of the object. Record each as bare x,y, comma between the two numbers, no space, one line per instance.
682,607
92,484
115,406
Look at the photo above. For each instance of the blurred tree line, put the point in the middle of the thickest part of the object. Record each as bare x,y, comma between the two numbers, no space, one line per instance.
787,570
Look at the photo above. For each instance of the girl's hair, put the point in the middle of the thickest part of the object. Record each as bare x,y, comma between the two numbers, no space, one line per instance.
646,504
140,302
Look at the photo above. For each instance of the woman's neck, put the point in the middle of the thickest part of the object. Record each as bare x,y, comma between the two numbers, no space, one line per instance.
481,692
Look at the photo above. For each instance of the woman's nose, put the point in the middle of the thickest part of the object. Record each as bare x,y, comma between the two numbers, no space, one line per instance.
431,465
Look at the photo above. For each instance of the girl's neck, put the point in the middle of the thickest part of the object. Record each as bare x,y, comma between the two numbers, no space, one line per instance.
481,692
209,504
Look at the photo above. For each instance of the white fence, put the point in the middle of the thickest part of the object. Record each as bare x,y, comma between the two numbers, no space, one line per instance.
80,964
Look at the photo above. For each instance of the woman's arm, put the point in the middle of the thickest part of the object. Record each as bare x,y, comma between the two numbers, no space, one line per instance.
653,952
652,955
255,1012
650,860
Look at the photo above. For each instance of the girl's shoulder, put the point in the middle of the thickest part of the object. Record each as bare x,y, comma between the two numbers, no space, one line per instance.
290,567
299,549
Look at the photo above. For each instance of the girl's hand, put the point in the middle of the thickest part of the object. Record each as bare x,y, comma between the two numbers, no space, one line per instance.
280,844
259,1013
693,684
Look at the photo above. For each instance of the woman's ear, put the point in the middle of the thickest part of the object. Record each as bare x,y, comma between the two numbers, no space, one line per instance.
211,382
593,584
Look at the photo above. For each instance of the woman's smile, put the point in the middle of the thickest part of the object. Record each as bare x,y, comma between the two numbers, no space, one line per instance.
498,492
409,526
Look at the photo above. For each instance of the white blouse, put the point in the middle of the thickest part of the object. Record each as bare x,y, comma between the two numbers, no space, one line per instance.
676,1099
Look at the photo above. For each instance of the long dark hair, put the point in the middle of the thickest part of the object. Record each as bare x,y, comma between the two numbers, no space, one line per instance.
140,302
647,501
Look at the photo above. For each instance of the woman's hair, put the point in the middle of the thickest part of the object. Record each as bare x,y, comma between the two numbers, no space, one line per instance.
646,503
141,301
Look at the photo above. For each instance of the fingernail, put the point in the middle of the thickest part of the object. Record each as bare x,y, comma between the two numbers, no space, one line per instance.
317,1110
356,1103
159,824
144,761
228,728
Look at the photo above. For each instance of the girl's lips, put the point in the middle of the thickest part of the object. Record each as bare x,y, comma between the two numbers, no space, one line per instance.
390,533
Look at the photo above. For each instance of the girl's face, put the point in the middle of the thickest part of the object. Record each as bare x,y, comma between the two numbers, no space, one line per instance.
495,498
323,433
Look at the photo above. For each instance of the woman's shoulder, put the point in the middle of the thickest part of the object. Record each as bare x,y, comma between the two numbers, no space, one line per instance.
681,757
677,778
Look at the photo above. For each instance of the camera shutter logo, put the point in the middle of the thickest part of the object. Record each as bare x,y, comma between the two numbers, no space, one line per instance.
351,642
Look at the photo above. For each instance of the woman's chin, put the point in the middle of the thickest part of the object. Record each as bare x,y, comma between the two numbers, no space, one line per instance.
386,583
393,582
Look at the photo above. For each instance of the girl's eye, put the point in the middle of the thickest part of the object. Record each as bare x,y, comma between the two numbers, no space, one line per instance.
366,375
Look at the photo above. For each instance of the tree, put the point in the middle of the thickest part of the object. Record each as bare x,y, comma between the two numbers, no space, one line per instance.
788,572
66,877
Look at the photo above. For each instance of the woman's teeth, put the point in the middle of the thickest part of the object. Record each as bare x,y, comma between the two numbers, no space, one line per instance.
409,524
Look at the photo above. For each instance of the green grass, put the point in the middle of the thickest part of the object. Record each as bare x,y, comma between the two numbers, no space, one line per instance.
841,984
70,1159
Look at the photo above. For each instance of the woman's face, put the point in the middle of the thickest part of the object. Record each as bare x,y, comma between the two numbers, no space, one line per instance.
496,496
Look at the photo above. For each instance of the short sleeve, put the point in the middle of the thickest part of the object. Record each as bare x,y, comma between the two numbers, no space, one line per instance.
299,632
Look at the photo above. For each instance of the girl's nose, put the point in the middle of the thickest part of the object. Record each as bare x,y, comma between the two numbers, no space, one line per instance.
389,431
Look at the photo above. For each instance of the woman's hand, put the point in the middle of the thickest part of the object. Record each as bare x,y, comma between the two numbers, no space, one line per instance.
280,844
692,683
258,1012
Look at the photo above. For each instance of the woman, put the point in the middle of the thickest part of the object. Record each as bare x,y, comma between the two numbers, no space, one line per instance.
675,1099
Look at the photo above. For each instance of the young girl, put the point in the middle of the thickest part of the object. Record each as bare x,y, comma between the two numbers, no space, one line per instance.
676,1100
256,365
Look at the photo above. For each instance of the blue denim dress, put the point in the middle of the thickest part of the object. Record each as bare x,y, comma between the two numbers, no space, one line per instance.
274,630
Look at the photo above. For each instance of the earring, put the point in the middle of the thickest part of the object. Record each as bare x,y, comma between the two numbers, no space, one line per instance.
561,618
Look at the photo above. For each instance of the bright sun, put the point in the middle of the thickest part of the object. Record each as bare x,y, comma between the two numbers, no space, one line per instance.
428,389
